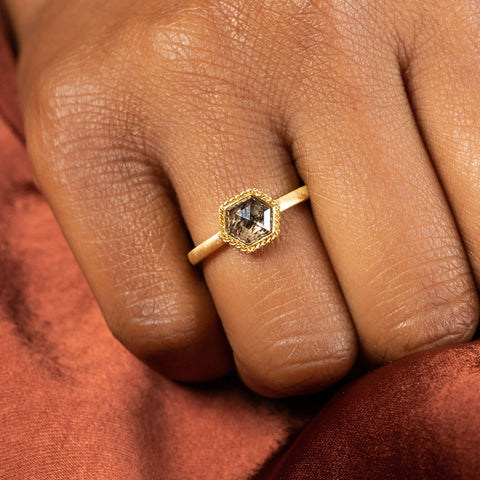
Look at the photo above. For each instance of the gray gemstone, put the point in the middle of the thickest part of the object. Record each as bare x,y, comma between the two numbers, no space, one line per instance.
249,220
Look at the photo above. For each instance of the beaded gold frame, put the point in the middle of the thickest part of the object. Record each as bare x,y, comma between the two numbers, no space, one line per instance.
273,204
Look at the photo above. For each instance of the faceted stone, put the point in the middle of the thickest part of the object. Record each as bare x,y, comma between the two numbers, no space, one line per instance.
249,220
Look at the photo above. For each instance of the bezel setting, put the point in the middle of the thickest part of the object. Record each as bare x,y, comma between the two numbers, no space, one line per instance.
227,236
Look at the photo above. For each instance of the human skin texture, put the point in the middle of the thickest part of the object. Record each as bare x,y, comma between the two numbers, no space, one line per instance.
142,117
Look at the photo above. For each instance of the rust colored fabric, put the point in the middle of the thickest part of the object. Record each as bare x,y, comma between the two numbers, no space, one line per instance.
74,404
418,418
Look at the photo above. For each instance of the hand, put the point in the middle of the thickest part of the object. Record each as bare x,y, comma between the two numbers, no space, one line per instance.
143,117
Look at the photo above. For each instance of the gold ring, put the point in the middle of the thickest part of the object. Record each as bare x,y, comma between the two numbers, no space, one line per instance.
248,221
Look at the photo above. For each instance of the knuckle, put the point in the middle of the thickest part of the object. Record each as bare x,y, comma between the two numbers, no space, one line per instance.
334,24
204,49
297,365
55,100
44,110
70,119
328,40
154,326
185,56
47,122
181,43
58,84
443,312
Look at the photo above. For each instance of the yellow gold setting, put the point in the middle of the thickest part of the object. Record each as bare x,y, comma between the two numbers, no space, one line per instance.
256,221
271,211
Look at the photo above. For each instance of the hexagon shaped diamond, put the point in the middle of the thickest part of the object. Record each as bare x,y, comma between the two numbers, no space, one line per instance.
250,220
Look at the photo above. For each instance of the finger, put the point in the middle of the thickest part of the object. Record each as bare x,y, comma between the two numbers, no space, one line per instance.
443,82
281,308
381,212
117,212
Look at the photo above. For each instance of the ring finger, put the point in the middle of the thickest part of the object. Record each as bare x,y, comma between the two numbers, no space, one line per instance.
281,307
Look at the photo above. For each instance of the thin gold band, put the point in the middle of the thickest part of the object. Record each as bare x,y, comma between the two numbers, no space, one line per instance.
200,252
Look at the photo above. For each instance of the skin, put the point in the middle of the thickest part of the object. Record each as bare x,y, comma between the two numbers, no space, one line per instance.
143,117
